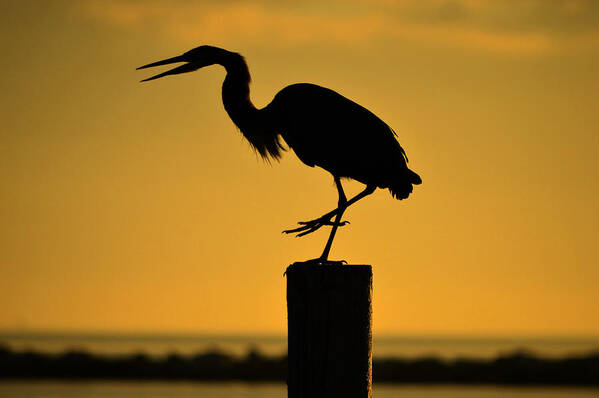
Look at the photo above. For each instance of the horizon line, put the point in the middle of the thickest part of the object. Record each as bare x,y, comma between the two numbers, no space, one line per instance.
31,332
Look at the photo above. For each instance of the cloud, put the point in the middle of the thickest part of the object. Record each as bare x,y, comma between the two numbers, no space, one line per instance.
526,27
234,20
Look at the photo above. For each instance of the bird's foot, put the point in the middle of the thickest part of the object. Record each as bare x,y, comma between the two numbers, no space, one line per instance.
316,261
321,261
307,227
332,262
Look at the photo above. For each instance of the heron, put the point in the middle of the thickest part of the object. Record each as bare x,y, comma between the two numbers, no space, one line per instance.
322,127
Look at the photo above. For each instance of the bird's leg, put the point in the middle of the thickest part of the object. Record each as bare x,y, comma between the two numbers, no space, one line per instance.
307,227
341,206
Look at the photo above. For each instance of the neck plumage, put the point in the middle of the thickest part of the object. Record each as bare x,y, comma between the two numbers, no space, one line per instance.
253,123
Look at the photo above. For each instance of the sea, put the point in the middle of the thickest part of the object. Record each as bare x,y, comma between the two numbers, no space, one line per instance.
448,347
152,389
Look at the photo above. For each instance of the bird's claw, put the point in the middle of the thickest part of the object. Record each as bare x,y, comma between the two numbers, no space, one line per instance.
320,261
339,224
307,227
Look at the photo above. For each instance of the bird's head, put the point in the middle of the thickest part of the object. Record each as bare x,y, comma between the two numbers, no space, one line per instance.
195,59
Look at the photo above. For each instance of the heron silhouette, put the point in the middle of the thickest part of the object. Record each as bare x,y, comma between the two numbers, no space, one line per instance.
322,127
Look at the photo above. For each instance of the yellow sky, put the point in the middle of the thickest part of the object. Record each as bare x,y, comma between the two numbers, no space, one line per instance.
139,207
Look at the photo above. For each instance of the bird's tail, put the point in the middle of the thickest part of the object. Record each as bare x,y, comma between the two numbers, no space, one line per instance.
403,188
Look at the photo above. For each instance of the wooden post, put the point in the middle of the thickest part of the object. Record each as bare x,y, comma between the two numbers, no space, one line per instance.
329,330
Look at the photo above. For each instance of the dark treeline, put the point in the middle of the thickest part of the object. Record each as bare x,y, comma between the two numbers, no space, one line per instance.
518,368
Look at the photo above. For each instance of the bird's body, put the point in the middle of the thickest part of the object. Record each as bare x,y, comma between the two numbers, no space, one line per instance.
328,130
322,127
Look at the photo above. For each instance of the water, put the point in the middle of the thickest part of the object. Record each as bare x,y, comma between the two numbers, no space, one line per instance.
397,346
45,389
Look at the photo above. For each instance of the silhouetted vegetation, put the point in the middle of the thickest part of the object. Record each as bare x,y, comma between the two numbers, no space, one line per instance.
518,368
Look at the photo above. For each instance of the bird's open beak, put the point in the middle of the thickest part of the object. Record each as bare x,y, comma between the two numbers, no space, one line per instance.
188,67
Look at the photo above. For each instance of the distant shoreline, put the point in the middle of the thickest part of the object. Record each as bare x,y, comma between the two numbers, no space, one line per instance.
516,368
406,346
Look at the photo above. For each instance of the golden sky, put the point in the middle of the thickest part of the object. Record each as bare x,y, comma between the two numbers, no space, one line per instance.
139,207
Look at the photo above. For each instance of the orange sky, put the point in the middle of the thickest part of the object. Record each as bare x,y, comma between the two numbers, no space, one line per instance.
130,207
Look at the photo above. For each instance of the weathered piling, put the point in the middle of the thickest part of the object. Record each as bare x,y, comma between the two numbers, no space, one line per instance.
329,330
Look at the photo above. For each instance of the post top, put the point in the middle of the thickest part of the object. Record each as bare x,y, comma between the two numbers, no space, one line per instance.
313,266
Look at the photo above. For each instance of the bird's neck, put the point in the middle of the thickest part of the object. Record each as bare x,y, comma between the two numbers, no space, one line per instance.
236,93
255,124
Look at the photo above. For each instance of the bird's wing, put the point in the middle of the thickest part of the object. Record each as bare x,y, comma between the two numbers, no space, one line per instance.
328,130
